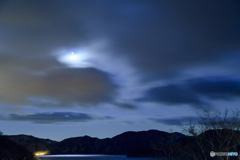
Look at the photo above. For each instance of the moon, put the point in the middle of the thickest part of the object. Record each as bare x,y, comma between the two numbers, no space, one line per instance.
76,60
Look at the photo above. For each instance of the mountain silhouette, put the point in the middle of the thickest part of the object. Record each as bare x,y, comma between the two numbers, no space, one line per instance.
132,144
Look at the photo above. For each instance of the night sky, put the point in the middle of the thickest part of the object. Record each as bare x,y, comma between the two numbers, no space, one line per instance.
102,67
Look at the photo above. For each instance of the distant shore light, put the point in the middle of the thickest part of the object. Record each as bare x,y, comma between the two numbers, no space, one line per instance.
41,153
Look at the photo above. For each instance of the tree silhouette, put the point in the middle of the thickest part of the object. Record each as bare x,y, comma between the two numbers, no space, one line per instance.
215,131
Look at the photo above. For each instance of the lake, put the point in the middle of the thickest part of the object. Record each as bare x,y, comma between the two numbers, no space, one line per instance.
91,157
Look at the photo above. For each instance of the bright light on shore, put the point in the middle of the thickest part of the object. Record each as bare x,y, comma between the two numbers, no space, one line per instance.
41,153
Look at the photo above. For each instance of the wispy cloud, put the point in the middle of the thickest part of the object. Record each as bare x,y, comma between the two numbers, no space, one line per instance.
176,121
55,117
193,91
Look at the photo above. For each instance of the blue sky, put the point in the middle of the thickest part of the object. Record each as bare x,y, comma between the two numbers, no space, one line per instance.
102,67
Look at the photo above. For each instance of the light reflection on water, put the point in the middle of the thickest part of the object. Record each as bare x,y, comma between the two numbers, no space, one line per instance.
90,157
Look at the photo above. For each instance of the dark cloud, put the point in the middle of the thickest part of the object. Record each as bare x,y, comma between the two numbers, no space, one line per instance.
162,37
173,95
37,28
216,87
176,121
64,85
126,106
192,91
55,117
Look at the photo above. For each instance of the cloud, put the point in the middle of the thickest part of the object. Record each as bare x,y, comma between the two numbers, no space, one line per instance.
160,38
129,122
176,121
126,106
193,91
63,86
32,32
45,25
172,94
216,116
54,117
216,87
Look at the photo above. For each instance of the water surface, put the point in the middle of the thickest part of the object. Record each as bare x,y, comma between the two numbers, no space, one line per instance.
91,157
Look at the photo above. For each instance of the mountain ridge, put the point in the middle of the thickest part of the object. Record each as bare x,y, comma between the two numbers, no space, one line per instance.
130,143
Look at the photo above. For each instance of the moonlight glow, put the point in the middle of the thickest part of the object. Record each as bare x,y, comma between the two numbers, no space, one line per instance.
78,59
